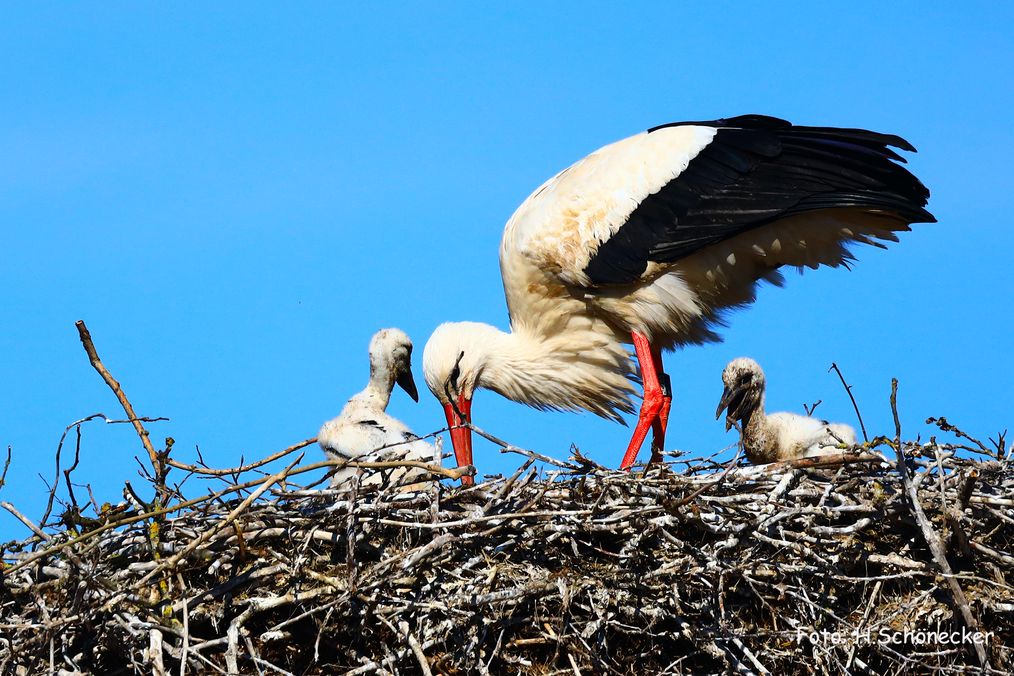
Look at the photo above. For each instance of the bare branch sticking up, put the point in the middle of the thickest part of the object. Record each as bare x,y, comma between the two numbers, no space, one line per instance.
929,535
848,391
158,462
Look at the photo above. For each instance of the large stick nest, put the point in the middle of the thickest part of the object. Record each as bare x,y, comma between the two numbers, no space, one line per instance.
575,568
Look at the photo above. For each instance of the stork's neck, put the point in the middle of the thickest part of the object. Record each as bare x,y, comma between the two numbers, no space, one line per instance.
580,368
377,394
756,416
757,442
514,365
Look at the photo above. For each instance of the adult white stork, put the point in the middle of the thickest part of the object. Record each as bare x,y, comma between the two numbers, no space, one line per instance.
364,430
778,436
648,240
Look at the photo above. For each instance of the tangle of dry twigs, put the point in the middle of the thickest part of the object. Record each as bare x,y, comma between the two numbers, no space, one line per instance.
840,564
572,568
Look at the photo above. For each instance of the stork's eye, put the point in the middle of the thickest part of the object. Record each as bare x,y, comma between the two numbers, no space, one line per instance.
456,371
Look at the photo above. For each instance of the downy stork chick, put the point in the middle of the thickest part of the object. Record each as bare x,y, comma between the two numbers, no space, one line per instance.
649,241
364,431
779,436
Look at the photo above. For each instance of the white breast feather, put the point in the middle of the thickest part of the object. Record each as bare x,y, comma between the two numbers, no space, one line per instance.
350,435
798,436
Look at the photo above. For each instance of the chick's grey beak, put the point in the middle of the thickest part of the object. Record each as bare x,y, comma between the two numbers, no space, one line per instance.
723,402
406,383
730,401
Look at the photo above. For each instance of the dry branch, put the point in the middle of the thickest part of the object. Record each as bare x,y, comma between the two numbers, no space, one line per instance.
928,533
158,463
848,391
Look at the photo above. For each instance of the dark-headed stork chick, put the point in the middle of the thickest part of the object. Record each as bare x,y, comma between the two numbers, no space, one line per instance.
364,431
779,436
648,241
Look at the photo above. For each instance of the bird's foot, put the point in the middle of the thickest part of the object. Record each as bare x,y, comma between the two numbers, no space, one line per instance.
648,419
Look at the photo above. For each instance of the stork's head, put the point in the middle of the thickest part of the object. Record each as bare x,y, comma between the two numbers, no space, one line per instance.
453,362
744,390
391,355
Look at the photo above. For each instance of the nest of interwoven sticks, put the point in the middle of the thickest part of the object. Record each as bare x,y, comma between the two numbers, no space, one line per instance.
562,567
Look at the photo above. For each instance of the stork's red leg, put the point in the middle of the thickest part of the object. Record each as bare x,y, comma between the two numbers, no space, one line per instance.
652,402
662,421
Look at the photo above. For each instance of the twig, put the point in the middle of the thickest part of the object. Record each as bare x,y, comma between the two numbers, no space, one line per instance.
413,643
7,465
1000,444
153,514
848,390
510,448
67,472
196,469
208,534
155,653
930,535
710,485
158,464
25,520
186,638
945,426
59,448
823,460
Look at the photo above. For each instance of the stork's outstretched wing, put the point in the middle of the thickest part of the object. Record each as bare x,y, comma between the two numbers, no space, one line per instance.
676,189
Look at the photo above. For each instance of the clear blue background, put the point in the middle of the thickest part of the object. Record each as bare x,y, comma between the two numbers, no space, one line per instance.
236,196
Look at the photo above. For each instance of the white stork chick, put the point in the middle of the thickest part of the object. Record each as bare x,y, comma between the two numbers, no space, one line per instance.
364,431
649,241
779,436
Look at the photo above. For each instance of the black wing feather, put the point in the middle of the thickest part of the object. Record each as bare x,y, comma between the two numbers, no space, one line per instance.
373,423
758,169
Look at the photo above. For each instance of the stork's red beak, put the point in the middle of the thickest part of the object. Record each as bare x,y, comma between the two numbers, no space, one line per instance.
461,434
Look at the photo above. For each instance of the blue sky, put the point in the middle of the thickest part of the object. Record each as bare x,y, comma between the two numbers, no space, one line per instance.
235,197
